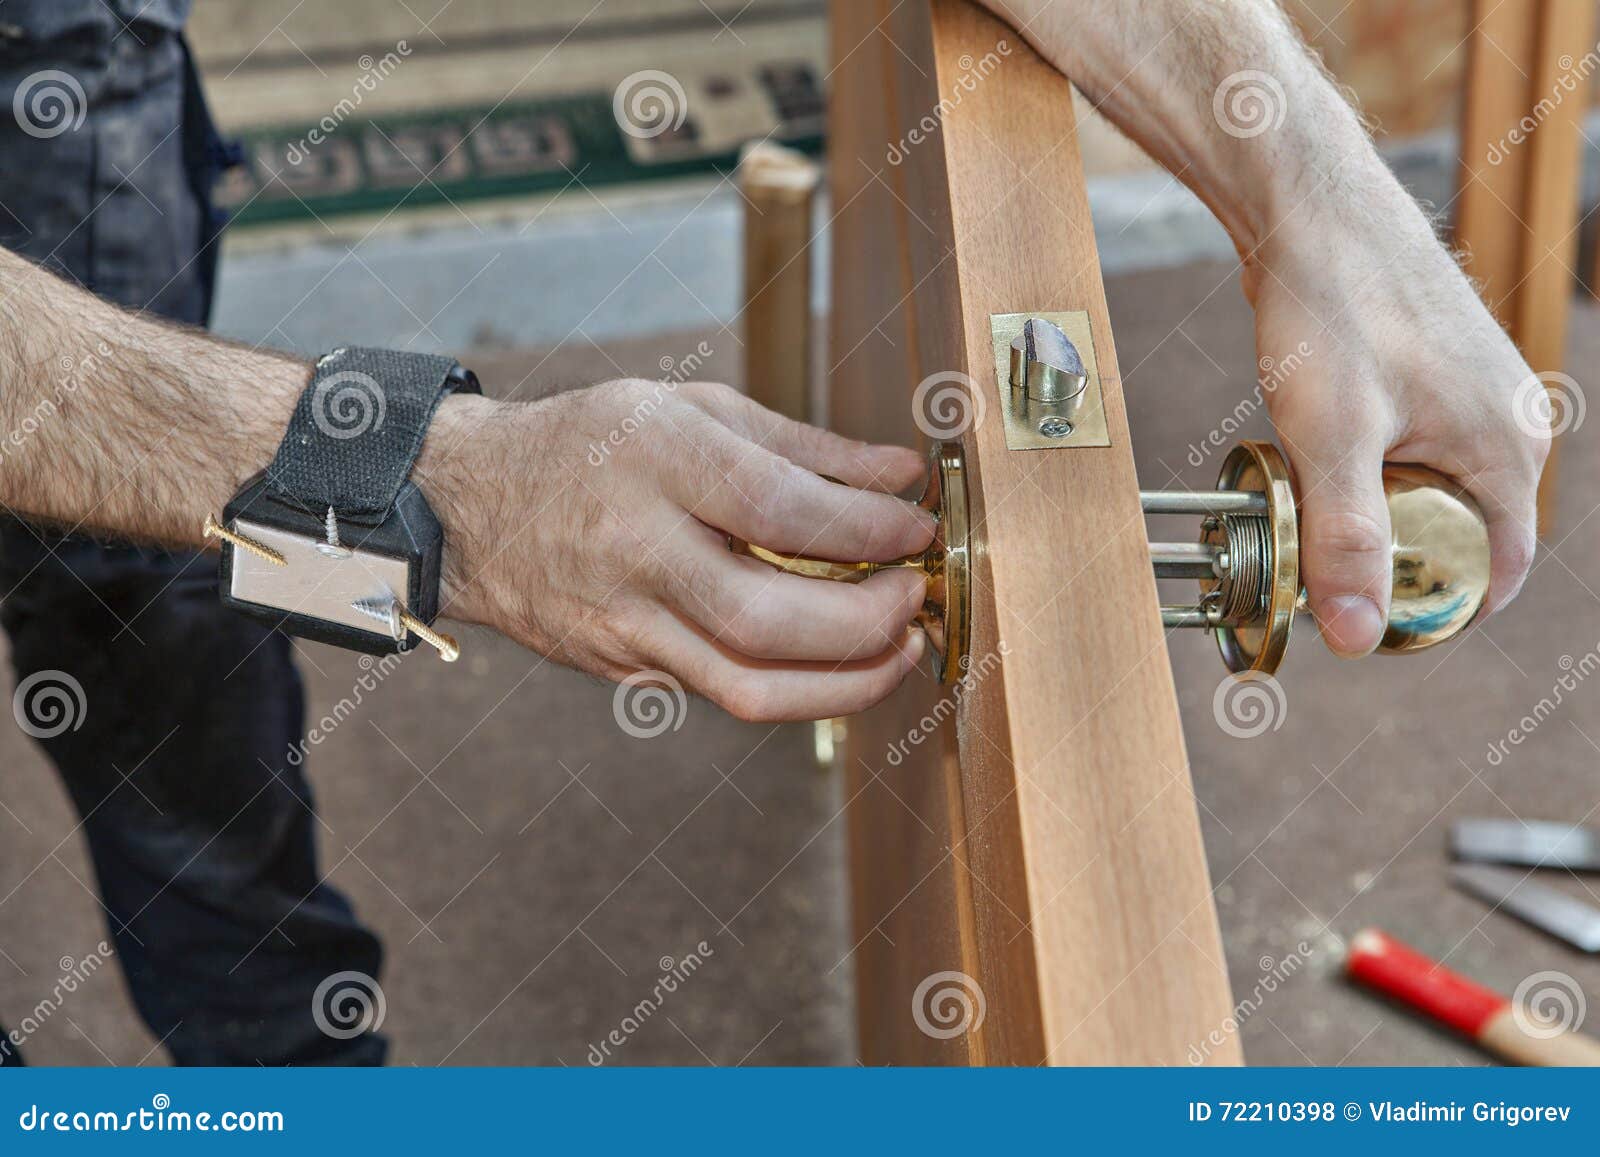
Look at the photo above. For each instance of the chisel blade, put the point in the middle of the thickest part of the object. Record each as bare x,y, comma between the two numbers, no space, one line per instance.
1536,844
1538,904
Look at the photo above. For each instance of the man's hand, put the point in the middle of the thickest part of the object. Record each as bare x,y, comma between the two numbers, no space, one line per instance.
1394,357
592,527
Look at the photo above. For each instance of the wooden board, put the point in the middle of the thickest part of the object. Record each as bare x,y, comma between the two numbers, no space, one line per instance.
1517,211
1046,845
907,892
1493,180
778,186
1555,156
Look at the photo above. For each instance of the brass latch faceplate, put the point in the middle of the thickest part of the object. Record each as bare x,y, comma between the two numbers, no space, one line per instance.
1049,380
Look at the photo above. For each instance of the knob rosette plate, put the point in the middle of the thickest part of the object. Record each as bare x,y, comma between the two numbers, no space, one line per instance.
1259,645
946,611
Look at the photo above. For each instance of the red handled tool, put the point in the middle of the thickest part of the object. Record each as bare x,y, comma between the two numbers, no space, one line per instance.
1517,1034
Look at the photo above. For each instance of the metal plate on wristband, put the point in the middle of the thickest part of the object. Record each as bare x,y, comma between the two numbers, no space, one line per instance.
313,582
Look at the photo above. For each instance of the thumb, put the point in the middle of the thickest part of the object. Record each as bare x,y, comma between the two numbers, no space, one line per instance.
1345,547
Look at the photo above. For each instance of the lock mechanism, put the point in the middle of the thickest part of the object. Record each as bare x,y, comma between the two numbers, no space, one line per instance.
1247,558
1049,380
945,614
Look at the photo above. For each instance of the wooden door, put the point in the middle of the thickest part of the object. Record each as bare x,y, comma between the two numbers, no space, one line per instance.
1028,879
1519,204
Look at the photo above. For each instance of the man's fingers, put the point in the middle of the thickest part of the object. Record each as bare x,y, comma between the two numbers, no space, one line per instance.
742,489
890,469
1511,510
1345,549
763,691
764,613
1511,546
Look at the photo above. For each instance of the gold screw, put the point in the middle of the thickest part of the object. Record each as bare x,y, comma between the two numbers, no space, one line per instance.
388,610
449,650
215,529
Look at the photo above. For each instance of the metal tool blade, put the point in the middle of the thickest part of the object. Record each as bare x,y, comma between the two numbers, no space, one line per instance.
1538,904
1537,844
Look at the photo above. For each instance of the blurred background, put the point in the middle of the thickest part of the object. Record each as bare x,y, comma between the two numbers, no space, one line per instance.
533,868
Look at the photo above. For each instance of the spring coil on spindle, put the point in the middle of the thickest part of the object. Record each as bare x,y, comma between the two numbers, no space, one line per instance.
1247,558
1247,587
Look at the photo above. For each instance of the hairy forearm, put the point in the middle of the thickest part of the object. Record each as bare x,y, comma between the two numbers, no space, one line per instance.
133,428
125,426
1225,95
138,429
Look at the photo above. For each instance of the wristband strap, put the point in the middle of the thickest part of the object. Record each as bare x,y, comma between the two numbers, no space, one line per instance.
358,427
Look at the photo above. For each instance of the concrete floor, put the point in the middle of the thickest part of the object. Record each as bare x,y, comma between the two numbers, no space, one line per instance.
530,891
1340,818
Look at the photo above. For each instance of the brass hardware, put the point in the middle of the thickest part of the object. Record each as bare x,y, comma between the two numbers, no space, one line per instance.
449,650
1441,559
400,620
827,742
1248,558
215,529
1049,389
945,614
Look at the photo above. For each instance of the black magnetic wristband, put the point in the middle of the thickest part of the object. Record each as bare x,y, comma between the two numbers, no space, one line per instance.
333,541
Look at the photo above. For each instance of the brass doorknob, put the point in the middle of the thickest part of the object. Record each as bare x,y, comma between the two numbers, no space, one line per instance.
1248,558
945,608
